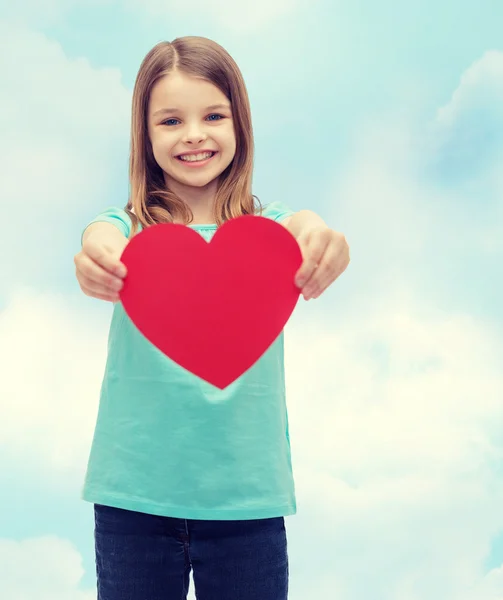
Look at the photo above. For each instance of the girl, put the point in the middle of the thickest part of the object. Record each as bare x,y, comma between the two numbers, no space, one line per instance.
183,476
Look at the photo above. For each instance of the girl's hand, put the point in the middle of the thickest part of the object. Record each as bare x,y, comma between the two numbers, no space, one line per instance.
98,268
325,255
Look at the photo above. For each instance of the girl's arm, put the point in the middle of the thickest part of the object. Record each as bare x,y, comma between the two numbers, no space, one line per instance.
302,220
105,233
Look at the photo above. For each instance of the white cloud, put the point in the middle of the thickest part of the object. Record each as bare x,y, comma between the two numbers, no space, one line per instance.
427,385
61,121
45,568
481,85
491,238
393,452
464,143
50,103
54,359
491,587
45,91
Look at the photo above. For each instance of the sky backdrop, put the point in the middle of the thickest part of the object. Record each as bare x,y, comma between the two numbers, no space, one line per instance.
384,117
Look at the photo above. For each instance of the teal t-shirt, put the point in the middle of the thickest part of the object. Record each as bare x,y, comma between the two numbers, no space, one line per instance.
170,444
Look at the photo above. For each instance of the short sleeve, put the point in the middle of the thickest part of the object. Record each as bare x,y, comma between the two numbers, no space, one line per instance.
115,216
277,211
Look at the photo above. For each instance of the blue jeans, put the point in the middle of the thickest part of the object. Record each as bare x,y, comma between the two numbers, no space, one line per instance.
147,557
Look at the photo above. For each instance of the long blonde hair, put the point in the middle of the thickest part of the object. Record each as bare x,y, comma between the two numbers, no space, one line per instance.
150,201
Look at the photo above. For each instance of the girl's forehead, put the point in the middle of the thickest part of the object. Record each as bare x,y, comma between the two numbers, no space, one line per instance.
196,96
186,89
178,92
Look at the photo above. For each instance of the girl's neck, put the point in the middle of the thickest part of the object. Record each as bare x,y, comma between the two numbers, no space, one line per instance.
200,200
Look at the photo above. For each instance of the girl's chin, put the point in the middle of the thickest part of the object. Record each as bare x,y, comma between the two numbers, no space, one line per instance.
195,181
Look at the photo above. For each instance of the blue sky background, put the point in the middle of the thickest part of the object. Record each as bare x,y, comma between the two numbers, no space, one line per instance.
386,118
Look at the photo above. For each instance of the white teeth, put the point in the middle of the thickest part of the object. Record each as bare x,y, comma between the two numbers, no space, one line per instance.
196,157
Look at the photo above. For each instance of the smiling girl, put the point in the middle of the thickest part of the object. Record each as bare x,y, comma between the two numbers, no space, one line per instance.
185,477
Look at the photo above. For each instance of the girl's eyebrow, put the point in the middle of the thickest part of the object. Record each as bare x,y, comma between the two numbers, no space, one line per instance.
175,110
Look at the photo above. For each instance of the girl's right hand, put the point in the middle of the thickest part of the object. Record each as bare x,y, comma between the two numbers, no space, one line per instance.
98,268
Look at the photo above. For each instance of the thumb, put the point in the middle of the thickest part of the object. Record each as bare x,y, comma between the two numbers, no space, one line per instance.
108,256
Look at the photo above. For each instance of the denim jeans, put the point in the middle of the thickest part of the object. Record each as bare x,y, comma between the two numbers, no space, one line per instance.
147,557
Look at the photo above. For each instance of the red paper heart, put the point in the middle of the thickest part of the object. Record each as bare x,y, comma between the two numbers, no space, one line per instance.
213,308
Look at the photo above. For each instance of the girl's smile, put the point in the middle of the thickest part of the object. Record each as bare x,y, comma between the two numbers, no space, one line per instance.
196,158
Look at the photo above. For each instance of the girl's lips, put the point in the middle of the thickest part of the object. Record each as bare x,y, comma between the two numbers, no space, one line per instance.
196,163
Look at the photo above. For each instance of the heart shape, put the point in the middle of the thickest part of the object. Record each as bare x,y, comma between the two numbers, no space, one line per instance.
213,308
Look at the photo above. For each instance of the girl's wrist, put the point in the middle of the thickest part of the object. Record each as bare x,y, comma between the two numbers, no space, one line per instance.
304,221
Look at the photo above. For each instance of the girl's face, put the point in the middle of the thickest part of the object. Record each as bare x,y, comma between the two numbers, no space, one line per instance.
191,129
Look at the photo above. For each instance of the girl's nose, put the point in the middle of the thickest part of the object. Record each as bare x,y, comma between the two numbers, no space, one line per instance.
195,136
195,140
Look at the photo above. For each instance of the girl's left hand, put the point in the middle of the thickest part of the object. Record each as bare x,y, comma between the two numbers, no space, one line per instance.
325,255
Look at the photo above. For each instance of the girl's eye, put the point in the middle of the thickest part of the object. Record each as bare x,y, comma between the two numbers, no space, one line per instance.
172,122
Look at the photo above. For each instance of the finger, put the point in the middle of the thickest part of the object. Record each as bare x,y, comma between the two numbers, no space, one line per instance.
89,271
96,289
313,255
326,283
316,293
104,257
100,296
327,273
340,264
